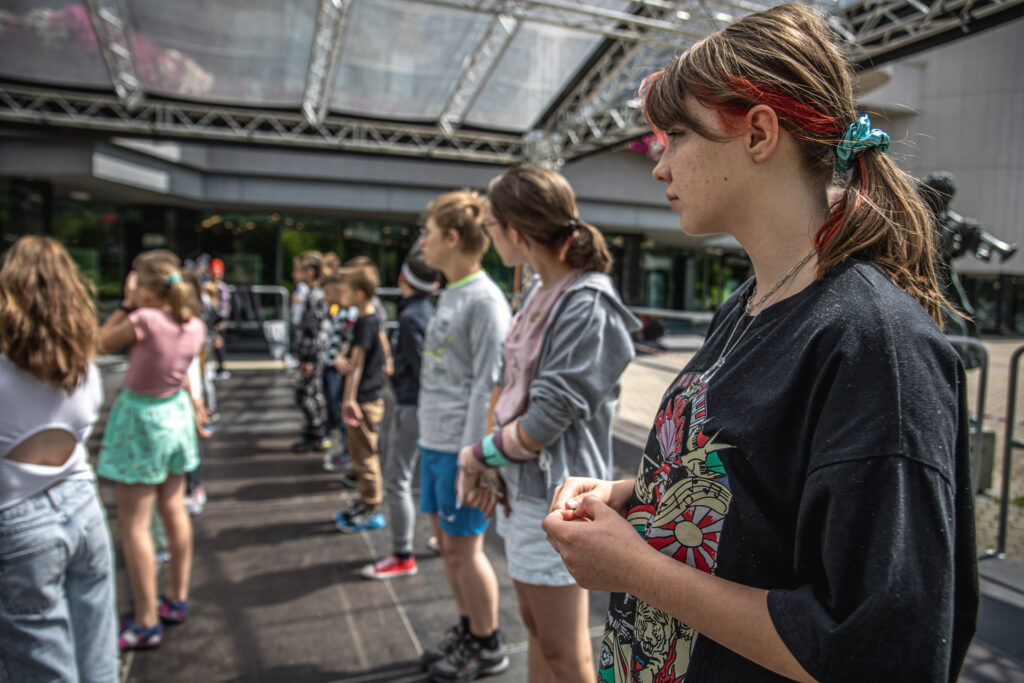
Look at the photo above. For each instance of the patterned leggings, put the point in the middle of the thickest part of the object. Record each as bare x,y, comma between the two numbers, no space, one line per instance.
309,395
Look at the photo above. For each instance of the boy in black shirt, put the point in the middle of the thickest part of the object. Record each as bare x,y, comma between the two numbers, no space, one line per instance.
362,405
417,281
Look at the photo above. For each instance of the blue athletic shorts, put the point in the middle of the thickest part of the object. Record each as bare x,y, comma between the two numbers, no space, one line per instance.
437,495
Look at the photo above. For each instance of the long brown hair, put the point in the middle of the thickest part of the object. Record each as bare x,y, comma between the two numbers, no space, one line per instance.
541,205
785,57
164,279
47,316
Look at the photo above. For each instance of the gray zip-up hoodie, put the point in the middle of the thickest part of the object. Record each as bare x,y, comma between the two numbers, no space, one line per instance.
575,388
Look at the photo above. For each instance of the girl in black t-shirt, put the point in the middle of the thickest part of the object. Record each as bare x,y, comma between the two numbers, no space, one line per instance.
803,507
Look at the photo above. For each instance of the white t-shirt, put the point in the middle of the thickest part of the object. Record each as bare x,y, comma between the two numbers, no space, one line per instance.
299,302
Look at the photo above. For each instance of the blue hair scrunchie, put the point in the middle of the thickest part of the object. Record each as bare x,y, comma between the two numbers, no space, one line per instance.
172,278
859,137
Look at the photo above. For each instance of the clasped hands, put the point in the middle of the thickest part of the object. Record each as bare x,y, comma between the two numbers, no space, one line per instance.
481,486
586,525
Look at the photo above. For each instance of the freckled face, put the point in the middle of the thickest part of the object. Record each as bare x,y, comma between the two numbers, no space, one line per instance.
704,178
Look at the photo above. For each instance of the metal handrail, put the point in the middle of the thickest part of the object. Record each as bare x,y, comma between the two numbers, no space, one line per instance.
974,343
277,290
668,314
1009,443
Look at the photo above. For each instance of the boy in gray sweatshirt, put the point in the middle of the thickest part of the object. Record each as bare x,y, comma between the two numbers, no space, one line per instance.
461,363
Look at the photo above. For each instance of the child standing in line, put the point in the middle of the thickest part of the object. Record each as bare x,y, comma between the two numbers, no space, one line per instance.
565,352
362,407
308,346
340,322
150,439
417,281
461,361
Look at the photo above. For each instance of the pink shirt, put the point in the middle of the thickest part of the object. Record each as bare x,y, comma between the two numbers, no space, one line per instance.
159,358
522,346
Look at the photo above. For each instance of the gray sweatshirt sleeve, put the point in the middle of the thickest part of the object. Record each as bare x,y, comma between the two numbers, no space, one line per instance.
588,349
487,329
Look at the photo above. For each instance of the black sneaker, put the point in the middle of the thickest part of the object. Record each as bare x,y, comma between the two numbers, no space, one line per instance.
468,661
310,445
347,477
452,637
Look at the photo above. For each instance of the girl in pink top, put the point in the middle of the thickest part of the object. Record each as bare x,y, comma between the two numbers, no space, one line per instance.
150,439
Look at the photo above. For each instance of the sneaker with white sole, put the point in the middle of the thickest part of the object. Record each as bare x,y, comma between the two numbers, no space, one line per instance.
336,462
347,477
468,661
358,518
172,611
134,637
452,637
390,567
195,501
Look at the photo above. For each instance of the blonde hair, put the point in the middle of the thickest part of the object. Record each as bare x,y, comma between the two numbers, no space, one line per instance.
785,57
363,279
541,205
47,315
329,263
463,212
164,279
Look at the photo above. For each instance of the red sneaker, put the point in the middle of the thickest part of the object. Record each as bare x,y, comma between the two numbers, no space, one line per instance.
389,567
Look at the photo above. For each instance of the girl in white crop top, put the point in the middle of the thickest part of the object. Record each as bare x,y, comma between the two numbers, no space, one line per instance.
40,406
57,614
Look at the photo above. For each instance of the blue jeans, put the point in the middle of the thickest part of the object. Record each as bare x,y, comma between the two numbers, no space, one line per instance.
332,394
58,620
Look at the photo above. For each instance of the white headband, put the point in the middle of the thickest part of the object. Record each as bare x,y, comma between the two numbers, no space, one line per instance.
415,282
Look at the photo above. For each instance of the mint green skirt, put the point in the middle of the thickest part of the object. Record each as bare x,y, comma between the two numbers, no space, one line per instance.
148,438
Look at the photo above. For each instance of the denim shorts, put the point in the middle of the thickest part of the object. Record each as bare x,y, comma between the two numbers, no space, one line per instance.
531,559
437,495
58,619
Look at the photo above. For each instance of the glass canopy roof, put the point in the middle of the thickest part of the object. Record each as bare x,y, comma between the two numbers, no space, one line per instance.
487,80
400,59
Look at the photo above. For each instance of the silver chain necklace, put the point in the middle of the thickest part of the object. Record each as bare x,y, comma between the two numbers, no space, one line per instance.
748,306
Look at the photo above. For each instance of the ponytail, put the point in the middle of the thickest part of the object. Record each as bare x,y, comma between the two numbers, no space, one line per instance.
881,218
587,249
540,204
183,300
163,277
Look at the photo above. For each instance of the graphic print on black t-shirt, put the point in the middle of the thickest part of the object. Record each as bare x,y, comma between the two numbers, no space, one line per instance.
678,505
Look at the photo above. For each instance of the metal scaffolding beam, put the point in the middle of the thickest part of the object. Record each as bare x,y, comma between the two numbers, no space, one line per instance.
325,54
599,110
187,121
882,30
492,47
584,18
111,27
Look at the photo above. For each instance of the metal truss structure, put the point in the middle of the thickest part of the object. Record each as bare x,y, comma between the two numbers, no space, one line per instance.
882,30
596,110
